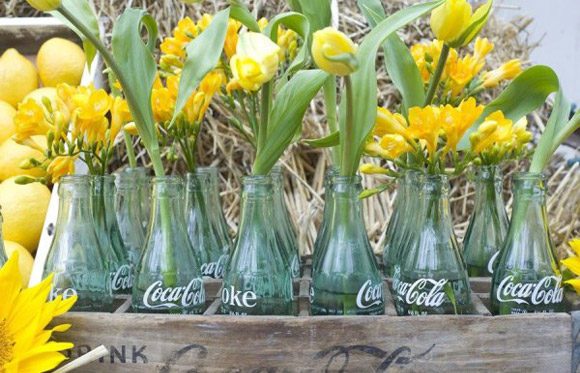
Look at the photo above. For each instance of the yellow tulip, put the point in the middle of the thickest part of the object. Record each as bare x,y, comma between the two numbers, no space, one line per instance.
389,123
455,23
334,52
507,71
44,5
372,169
61,166
256,60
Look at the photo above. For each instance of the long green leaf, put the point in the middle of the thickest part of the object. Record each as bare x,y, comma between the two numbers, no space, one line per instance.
203,54
85,13
364,80
239,11
286,116
318,12
324,142
137,65
524,95
399,62
557,125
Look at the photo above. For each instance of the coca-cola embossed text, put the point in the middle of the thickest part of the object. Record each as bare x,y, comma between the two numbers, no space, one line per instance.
546,291
158,297
369,295
420,293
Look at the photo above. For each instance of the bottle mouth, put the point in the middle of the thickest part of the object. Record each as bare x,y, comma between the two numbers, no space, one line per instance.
356,179
74,179
529,176
257,180
211,171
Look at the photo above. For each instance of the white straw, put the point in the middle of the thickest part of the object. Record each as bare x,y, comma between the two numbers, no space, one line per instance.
87,358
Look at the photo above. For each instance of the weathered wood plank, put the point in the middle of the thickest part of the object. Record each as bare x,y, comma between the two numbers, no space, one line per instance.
172,343
27,34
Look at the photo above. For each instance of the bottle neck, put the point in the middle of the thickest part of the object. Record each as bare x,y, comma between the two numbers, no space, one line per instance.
257,200
196,187
529,211
435,189
347,211
488,188
74,200
167,199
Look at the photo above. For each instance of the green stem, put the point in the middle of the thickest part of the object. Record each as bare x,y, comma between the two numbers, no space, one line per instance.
130,151
346,145
330,104
434,83
264,115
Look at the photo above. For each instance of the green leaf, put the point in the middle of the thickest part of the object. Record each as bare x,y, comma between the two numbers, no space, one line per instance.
286,117
324,142
522,96
240,12
399,62
557,130
364,80
137,66
319,12
203,54
448,290
299,24
478,20
83,12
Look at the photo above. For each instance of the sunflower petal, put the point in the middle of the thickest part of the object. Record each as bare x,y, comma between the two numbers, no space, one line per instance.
575,283
10,285
573,264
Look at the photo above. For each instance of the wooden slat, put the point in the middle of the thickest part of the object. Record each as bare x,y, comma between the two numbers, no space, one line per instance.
389,300
27,34
478,307
164,343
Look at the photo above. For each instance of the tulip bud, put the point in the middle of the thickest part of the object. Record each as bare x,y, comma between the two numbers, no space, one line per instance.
454,23
256,60
334,52
44,5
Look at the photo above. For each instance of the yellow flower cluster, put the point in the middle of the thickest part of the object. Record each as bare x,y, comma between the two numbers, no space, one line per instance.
573,264
498,136
425,126
459,72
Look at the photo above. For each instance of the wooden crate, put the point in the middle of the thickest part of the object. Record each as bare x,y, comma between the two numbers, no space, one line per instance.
213,343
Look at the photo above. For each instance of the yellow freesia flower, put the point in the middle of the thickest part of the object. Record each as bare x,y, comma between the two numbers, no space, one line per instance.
263,23
456,121
256,60
455,23
30,121
96,105
232,37
205,21
131,129
162,104
424,124
426,56
288,43
61,166
334,52
495,130
389,123
45,5
482,48
25,344
507,71
372,169
395,145
120,114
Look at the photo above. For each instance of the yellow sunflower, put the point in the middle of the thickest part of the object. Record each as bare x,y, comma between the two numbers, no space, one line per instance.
24,315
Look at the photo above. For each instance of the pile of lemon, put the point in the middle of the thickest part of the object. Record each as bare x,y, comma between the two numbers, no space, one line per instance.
24,207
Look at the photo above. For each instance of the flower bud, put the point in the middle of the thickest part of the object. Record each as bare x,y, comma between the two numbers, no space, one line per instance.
256,60
507,71
389,123
334,52
44,5
372,169
454,23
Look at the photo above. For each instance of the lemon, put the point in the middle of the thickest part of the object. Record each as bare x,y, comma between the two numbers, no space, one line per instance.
7,113
23,209
18,77
60,61
25,260
12,155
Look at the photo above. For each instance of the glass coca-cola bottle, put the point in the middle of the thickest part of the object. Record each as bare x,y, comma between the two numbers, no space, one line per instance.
116,255
526,278
168,278
215,210
346,279
404,209
488,224
285,230
432,277
257,280
203,237
75,255
129,215
322,235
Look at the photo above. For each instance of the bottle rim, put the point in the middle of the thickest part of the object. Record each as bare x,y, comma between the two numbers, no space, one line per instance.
75,179
524,175
256,179
354,179
168,179
209,170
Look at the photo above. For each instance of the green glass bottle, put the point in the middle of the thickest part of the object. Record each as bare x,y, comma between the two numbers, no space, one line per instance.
129,215
168,278
322,236
404,209
215,210
346,279
257,280
488,224
75,255
432,276
203,237
116,254
285,230
527,278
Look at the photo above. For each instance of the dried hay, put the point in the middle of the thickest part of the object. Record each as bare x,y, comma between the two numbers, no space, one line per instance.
221,146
